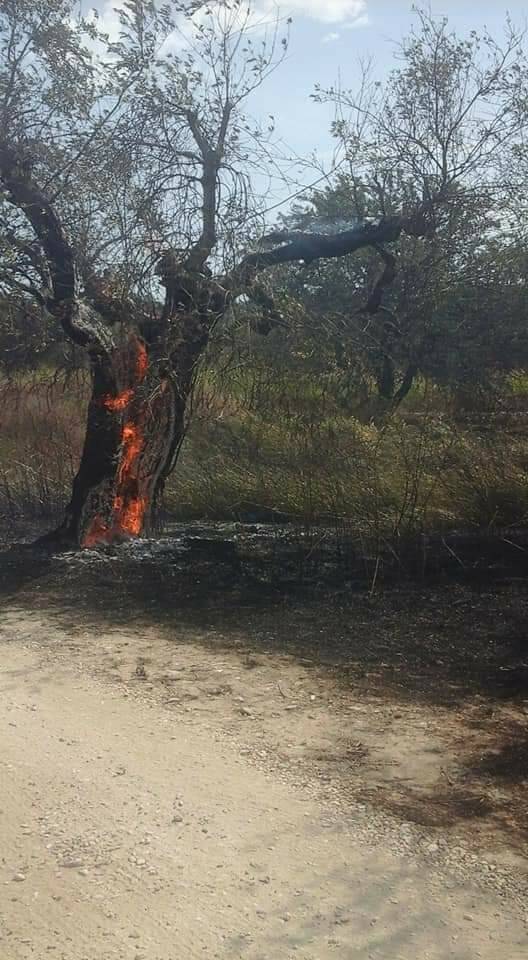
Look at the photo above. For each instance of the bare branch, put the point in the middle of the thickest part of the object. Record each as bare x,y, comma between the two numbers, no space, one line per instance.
79,321
314,246
385,278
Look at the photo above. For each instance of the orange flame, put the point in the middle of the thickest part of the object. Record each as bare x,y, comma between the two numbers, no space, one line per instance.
120,402
141,361
97,532
128,507
131,514
131,446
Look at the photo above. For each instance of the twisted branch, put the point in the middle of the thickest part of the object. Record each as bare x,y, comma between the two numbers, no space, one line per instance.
80,322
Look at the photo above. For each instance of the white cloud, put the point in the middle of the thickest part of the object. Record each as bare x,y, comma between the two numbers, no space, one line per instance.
325,11
351,13
345,13
106,18
361,21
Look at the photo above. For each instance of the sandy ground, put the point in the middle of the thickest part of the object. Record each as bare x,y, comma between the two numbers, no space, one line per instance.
145,814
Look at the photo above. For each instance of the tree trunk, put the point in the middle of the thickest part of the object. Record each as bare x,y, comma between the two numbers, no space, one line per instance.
385,377
134,427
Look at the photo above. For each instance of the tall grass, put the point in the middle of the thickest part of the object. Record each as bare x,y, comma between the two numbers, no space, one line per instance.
41,433
265,445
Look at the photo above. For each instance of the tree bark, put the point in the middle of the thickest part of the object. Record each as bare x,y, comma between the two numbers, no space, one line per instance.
135,425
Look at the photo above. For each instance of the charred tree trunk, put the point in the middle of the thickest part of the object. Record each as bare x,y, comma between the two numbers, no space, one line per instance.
135,424
136,416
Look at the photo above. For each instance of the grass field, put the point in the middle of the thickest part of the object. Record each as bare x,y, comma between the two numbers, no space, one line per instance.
287,449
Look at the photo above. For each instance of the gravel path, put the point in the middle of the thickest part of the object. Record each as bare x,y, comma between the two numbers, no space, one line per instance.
131,831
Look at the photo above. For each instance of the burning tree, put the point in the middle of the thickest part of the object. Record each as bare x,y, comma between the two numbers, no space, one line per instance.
125,203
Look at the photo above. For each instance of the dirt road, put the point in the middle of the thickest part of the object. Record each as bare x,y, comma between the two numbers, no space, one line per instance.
132,831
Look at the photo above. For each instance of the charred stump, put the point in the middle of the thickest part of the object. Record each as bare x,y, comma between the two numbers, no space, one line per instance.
135,422
136,416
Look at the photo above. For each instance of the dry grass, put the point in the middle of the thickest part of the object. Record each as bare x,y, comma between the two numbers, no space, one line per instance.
283,448
41,433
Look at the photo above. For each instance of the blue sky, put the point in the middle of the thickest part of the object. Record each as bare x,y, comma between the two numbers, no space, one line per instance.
320,50
328,38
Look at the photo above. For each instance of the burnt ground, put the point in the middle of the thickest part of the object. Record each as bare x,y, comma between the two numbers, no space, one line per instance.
411,698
